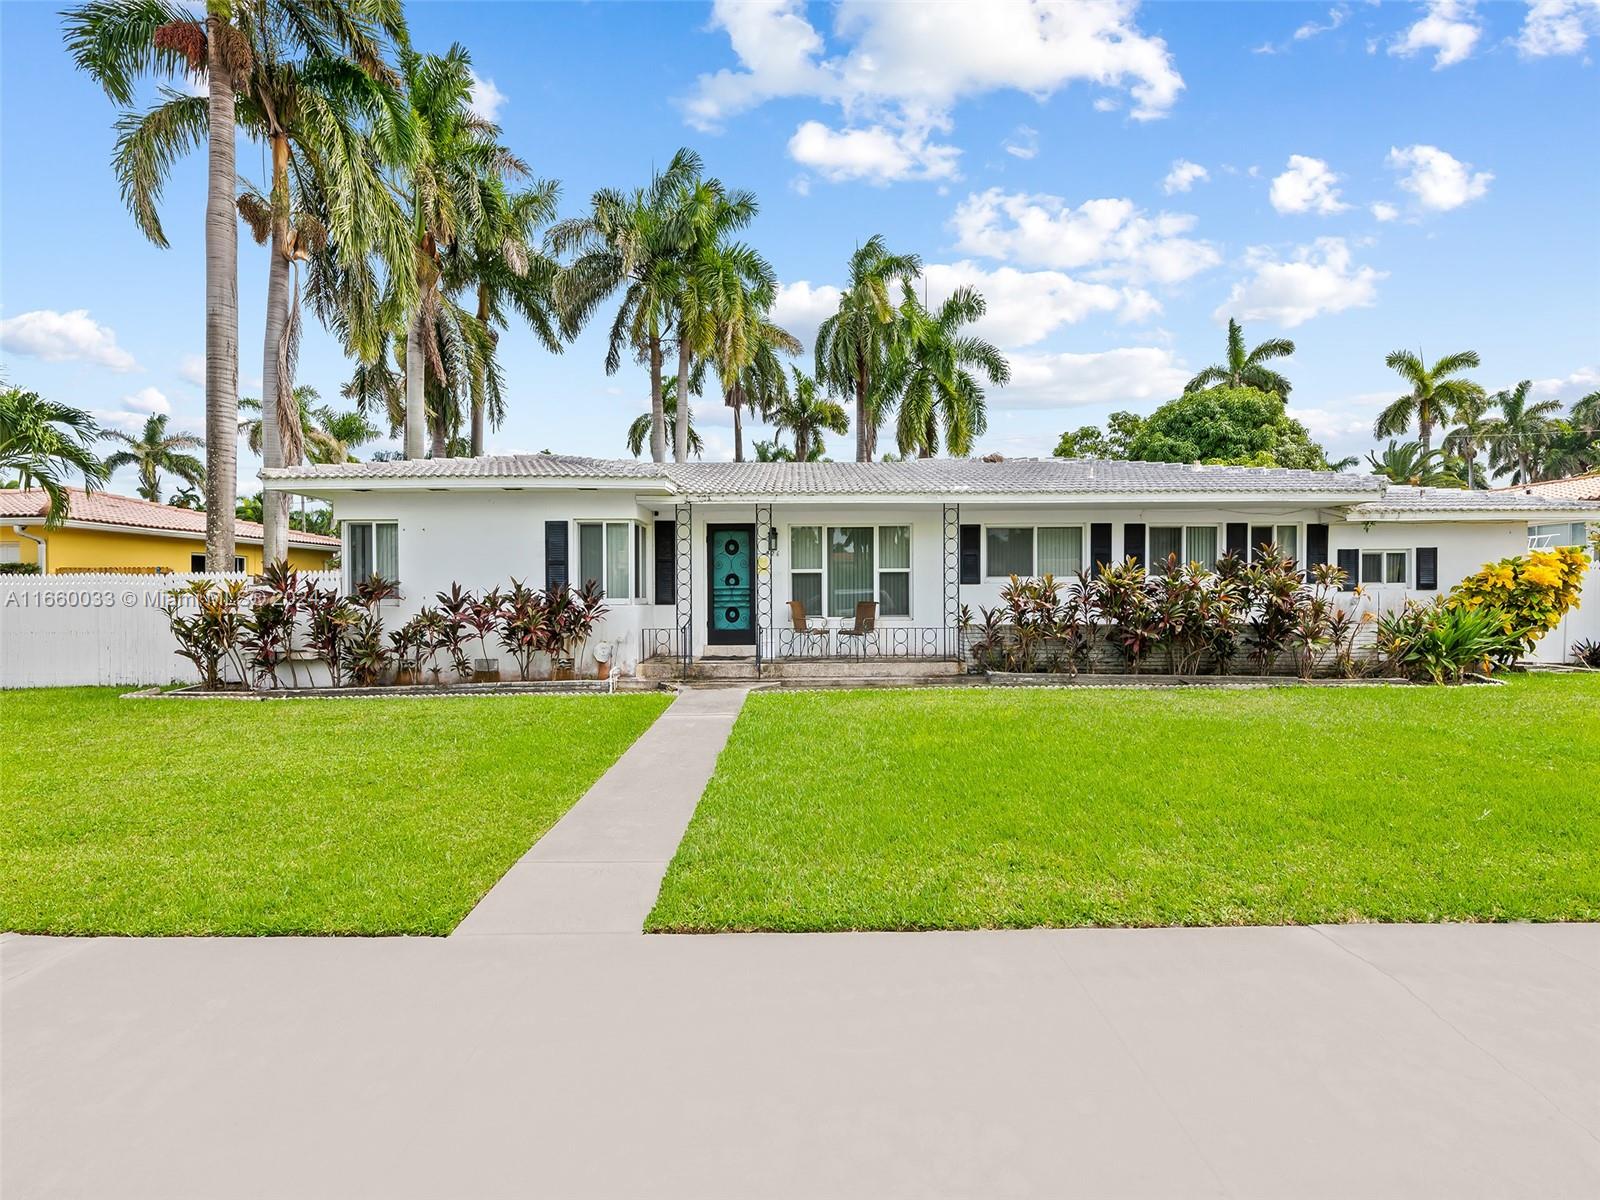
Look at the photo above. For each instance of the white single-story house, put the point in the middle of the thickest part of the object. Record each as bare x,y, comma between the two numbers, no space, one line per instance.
714,552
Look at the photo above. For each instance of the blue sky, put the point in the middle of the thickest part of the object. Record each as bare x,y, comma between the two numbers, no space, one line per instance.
1117,179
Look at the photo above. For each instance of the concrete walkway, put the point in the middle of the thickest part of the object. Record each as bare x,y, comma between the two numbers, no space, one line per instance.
1373,1061
599,868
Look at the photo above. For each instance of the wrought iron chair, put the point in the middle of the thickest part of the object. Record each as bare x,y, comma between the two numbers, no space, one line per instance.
864,632
807,633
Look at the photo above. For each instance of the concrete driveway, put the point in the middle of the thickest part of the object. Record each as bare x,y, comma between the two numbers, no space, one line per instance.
1406,1061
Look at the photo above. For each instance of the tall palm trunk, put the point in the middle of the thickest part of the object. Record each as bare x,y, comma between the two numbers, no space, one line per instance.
415,408
863,432
276,386
738,432
222,309
1425,428
680,428
658,408
440,446
478,377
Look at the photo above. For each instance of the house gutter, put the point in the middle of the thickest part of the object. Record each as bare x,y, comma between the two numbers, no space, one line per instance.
44,568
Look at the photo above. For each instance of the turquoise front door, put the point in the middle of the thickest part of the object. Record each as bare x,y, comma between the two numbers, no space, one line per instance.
730,555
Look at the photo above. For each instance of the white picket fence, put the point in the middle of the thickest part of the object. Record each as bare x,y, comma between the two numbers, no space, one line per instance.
65,630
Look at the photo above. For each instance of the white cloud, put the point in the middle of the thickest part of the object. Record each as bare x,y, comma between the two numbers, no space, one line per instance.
1559,27
1106,104
64,337
1183,176
1121,377
1023,142
1568,387
192,369
1319,278
1336,18
149,401
487,100
1384,211
905,66
1112,236
1307,186
801,307
878,154
1025,307
1449,29
1438,180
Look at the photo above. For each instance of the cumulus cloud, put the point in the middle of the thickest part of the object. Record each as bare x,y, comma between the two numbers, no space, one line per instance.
64,337
1023,142
877,154
1183,176
904,66
149,401
1121,377
133,410
1316,279
1025,307
1382,210
1308,185
487,100
1438,180
1568,387
800,307
192,369
1113,237
1449,28
1558,27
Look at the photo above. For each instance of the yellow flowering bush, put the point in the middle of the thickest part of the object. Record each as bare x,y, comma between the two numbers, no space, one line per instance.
1532,592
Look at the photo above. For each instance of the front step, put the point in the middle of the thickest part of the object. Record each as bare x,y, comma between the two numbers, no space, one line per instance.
744,669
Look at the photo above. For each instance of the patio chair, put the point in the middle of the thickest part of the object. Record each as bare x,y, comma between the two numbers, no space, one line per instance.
864,631
807,632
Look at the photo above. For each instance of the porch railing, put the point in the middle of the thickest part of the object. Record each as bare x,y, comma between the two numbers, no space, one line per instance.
673,644
928,642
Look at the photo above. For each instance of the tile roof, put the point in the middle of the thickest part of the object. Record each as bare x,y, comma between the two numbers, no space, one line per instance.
1399,499
105,508
934,476
1575,487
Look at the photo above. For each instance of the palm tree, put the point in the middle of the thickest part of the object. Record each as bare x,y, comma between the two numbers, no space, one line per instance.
930,374
188,497
1519,435
741,287
327,435
806,416
155,450
629,241
770,452
44,442
1409,463
1436,392
853,343
642,428
117,42
1470,436
1246,368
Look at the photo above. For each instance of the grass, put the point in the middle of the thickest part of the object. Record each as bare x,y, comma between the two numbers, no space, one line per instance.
978,809
295,816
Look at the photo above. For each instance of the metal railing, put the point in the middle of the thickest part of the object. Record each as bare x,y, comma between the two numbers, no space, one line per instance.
667,643
931,642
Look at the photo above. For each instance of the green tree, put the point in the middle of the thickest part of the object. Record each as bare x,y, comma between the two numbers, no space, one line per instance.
932,372
1086,441
630,241
1519,435
1436,392
1469,437
328,435
740,288
1240,426
853,343
806,416
640,431
45,443
1411,464
154,450
1246,368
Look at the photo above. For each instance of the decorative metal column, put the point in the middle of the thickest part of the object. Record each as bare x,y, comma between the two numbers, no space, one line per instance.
952,577
683,593
763,574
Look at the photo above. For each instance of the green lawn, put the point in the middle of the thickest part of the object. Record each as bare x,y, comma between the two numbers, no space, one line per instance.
976,809
295,816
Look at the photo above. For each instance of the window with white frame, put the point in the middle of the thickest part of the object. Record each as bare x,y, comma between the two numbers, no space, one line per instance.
1060,549
1027,550
1191,543
612,554
371,548
832,568
1285,537
1563,533
1008,551
1384,566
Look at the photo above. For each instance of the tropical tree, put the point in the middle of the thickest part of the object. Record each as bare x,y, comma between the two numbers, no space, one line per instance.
1237,426
1470,436
1246,368
1574,445
853,344
1436,392
45,443
188,497
642,428
1409,463
117,43
931,376
746,344
774,451
327,435
805,416
631,241
154,450
1519,435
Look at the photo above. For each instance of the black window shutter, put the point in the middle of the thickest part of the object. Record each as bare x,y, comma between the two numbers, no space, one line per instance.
971,562
1260,535
1239,539
1099,545
1133,541
1350,564
666,550
1427,568
555,554
1316,546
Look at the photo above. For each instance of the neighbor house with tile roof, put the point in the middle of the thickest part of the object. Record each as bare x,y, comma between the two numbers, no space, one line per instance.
104,532
730,559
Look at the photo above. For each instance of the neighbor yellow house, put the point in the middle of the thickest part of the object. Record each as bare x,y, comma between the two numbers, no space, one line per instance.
104,532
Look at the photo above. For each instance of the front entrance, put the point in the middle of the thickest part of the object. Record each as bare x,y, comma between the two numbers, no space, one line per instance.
731,584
